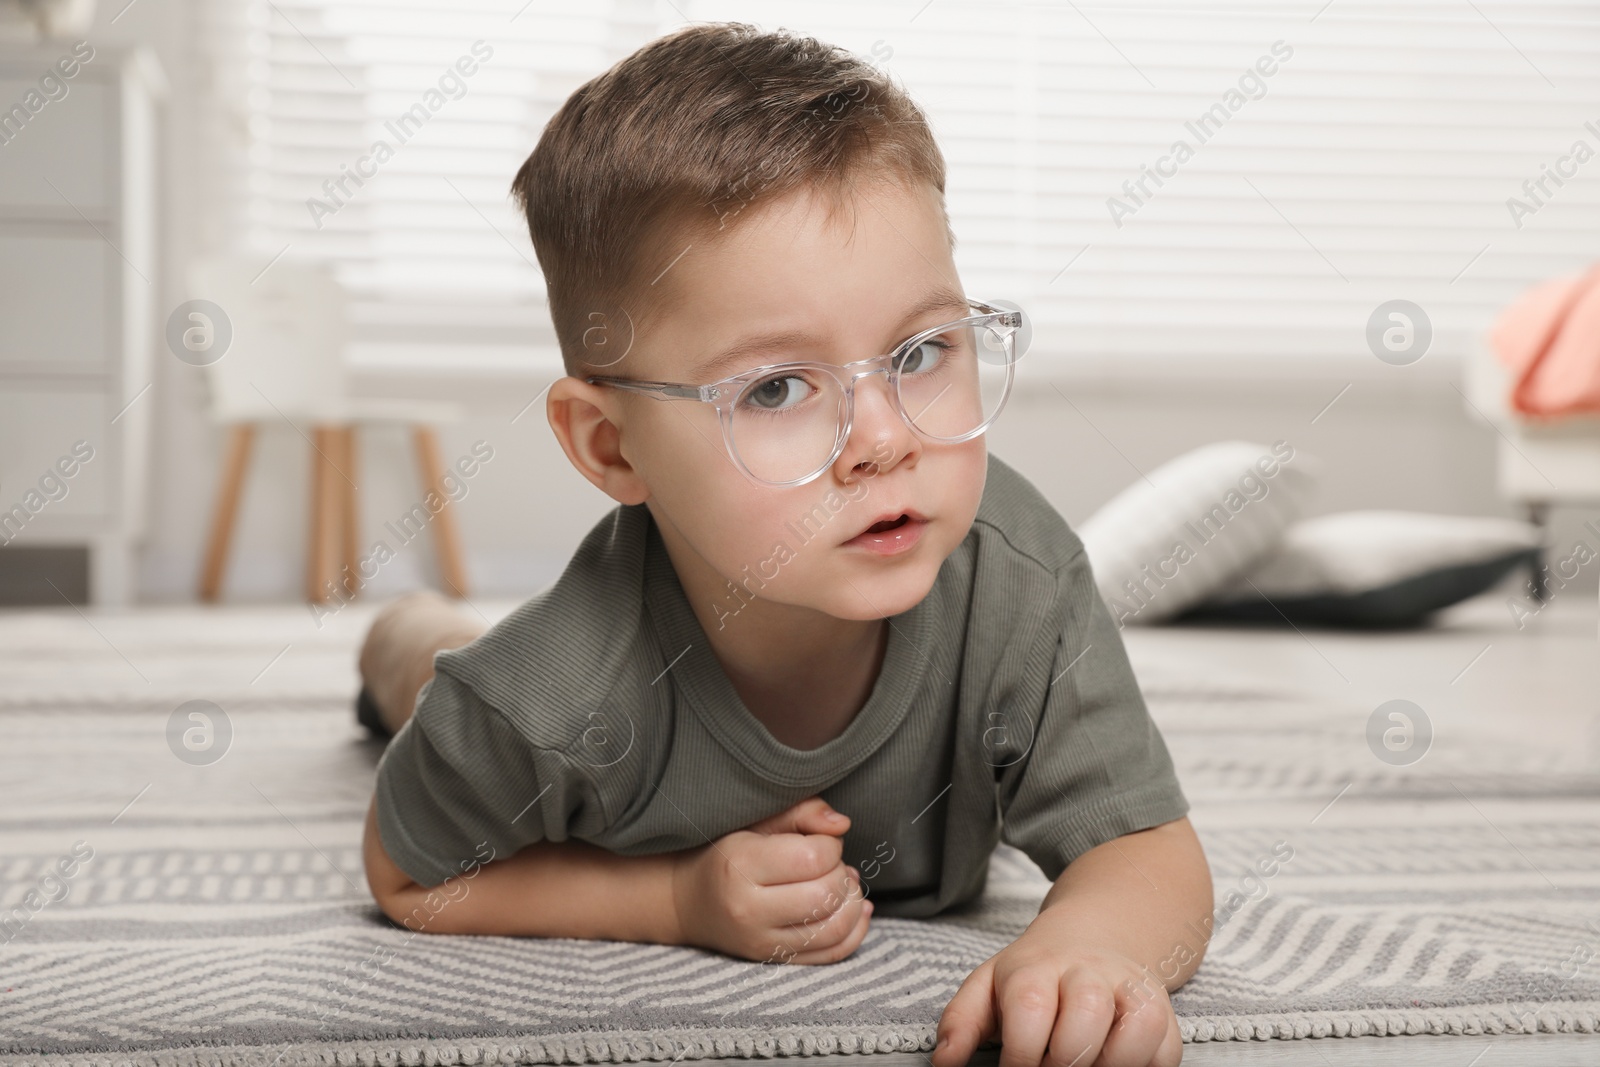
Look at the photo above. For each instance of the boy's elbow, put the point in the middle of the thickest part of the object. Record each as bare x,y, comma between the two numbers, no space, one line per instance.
396,906
419,908
391,887
417,912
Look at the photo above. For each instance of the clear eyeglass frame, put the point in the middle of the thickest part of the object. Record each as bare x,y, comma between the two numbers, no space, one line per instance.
725,392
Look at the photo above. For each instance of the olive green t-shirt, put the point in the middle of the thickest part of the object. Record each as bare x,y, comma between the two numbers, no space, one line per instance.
1005,709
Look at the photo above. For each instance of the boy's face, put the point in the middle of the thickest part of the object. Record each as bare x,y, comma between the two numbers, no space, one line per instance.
851,285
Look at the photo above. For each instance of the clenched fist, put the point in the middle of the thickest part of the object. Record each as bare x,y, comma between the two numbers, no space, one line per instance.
776,891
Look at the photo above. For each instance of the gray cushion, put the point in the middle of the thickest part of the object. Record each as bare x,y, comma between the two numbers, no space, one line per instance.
1175,536
1373,569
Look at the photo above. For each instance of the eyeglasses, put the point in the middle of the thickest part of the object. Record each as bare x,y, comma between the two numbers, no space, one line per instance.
786,423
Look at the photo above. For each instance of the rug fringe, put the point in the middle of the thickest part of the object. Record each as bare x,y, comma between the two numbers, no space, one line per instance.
1573,1017
578,1047
1581,1017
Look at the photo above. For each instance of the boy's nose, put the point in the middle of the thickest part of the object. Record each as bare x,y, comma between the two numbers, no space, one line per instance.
877,432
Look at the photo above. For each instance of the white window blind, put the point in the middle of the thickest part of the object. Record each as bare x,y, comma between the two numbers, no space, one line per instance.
383,135
1375,161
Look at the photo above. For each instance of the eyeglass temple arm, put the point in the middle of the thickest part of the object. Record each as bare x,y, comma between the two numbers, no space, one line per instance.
1009,317
654,390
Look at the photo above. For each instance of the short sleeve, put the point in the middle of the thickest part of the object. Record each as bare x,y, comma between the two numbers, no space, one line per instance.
1097,767
458,784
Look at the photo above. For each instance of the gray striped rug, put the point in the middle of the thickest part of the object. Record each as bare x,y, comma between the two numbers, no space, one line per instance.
223,916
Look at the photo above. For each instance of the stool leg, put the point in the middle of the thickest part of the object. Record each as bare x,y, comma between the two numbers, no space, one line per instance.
446,544
1539,515
350,511
318,558
240,437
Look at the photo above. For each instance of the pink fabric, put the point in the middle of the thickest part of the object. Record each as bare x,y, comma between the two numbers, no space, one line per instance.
1549,339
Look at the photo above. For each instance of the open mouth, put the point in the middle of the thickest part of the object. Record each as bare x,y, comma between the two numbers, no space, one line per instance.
891,537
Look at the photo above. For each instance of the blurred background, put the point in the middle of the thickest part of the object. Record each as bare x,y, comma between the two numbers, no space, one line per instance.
1208,212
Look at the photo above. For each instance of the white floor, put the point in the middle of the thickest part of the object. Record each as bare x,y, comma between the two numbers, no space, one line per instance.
1474,671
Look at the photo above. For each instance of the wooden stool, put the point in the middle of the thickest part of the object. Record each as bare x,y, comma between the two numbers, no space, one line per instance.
334,533
274,333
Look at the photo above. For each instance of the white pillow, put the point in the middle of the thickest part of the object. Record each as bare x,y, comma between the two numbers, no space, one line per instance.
1171,539
1357,551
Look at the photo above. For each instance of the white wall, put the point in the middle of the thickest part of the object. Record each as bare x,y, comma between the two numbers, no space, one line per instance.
1414,447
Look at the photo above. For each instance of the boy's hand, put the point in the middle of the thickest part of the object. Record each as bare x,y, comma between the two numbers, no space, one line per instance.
1050,1001
777,890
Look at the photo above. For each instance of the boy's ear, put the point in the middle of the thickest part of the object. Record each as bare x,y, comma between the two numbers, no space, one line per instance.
582,417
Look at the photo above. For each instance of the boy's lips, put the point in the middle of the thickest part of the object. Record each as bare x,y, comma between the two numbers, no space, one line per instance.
890,534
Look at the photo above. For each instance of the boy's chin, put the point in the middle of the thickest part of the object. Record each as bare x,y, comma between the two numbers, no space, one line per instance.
862,597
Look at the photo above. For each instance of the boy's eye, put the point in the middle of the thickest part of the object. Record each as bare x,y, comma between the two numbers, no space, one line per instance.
778,392
925,357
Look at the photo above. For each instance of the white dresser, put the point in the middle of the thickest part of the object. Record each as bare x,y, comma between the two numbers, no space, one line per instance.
79,291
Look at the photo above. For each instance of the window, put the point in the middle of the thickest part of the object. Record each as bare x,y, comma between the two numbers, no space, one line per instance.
1334,156
383,135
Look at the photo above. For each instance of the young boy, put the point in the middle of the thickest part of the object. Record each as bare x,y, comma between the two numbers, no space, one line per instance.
827,651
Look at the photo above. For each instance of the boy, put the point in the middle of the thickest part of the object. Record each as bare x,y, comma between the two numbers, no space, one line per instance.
825,647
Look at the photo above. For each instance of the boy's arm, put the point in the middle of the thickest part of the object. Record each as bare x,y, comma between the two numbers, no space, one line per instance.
547,889
1093,798
810,913
1146,895
458,771
1126,922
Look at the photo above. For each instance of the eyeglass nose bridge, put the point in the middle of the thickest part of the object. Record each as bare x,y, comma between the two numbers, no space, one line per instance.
869,372
884,365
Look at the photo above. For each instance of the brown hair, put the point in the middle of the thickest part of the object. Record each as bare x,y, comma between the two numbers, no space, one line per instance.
679,138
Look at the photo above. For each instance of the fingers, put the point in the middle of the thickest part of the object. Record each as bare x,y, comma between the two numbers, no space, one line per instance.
1145,1027
1170,1052
810,917
968,1019
778,921
837,952
1028,1002
782,858
812,901
1088,1008
1050,1020
813,815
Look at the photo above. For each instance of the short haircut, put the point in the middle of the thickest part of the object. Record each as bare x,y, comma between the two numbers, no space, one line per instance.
679,140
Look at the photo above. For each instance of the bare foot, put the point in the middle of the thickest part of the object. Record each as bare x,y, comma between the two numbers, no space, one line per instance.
397,656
